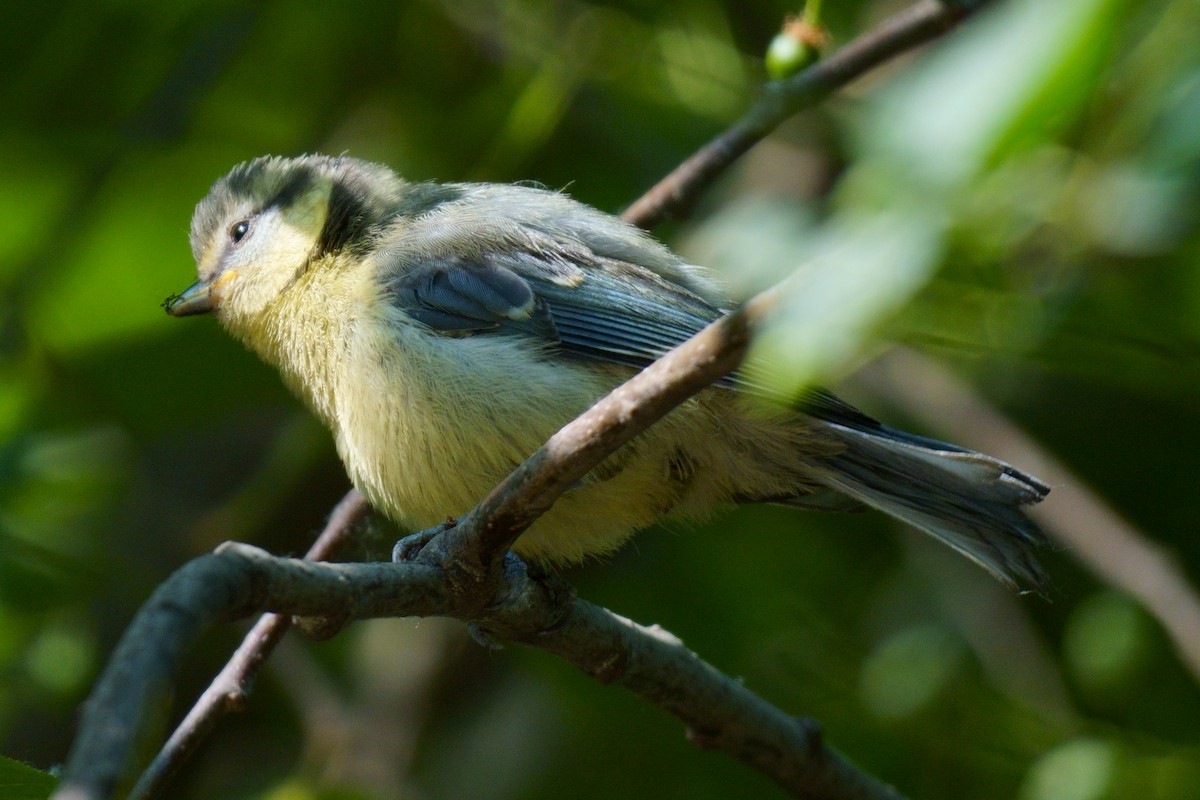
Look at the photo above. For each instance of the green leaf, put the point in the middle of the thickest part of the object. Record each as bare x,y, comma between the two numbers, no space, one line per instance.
862,269
19,781
1013,77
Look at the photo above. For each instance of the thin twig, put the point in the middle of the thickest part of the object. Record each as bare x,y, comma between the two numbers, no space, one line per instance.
915,26
482,537
1098,536
230,689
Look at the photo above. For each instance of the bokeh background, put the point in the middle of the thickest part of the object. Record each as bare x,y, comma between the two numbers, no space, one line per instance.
1017,205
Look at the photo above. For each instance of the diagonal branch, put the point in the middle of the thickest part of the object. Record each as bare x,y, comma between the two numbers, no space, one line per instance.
917,25
482,537
1096,533
477,544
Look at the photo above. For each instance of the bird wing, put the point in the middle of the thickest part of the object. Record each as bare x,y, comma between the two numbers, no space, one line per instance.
573,294
586,305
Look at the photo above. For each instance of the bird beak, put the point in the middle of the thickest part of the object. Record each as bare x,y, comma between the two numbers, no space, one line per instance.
199,298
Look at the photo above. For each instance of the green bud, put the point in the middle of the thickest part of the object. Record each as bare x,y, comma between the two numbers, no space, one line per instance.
795,47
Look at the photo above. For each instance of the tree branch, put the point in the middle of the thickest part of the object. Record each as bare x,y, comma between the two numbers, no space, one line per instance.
239,580
484,535
230,689
475,547
917,25
720,712
229,584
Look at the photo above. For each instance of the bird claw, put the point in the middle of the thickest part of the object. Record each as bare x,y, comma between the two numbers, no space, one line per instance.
408,548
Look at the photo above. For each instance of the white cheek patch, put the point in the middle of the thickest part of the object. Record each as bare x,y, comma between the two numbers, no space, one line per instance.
269,264
292,246
297,230
273,255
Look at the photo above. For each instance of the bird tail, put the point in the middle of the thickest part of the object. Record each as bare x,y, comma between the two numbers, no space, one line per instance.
972,502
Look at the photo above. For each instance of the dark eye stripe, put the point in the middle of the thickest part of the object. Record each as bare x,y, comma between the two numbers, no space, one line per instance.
296,181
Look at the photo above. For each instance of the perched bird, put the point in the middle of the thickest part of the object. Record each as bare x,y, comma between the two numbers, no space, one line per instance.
444,331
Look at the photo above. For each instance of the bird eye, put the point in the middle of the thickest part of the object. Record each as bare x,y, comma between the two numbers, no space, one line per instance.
239,231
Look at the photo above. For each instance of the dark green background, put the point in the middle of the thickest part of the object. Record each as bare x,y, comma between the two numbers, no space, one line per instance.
1066,290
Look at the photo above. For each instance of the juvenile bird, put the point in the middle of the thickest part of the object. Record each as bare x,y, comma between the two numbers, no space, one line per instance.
444,331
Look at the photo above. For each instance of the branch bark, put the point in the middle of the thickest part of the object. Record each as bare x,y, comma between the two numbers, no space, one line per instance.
238,580
459,575
481,537
230,689
473,550
226,585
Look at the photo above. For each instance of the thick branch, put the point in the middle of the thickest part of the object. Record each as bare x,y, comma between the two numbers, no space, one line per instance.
238,580
232,583
230,688
915,26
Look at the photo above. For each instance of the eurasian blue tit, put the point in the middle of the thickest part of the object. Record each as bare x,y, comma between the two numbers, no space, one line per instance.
444,331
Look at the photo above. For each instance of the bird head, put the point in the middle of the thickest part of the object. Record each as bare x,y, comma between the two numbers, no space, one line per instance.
269,221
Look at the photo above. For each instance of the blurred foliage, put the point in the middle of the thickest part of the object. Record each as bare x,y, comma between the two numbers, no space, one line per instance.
1020,201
